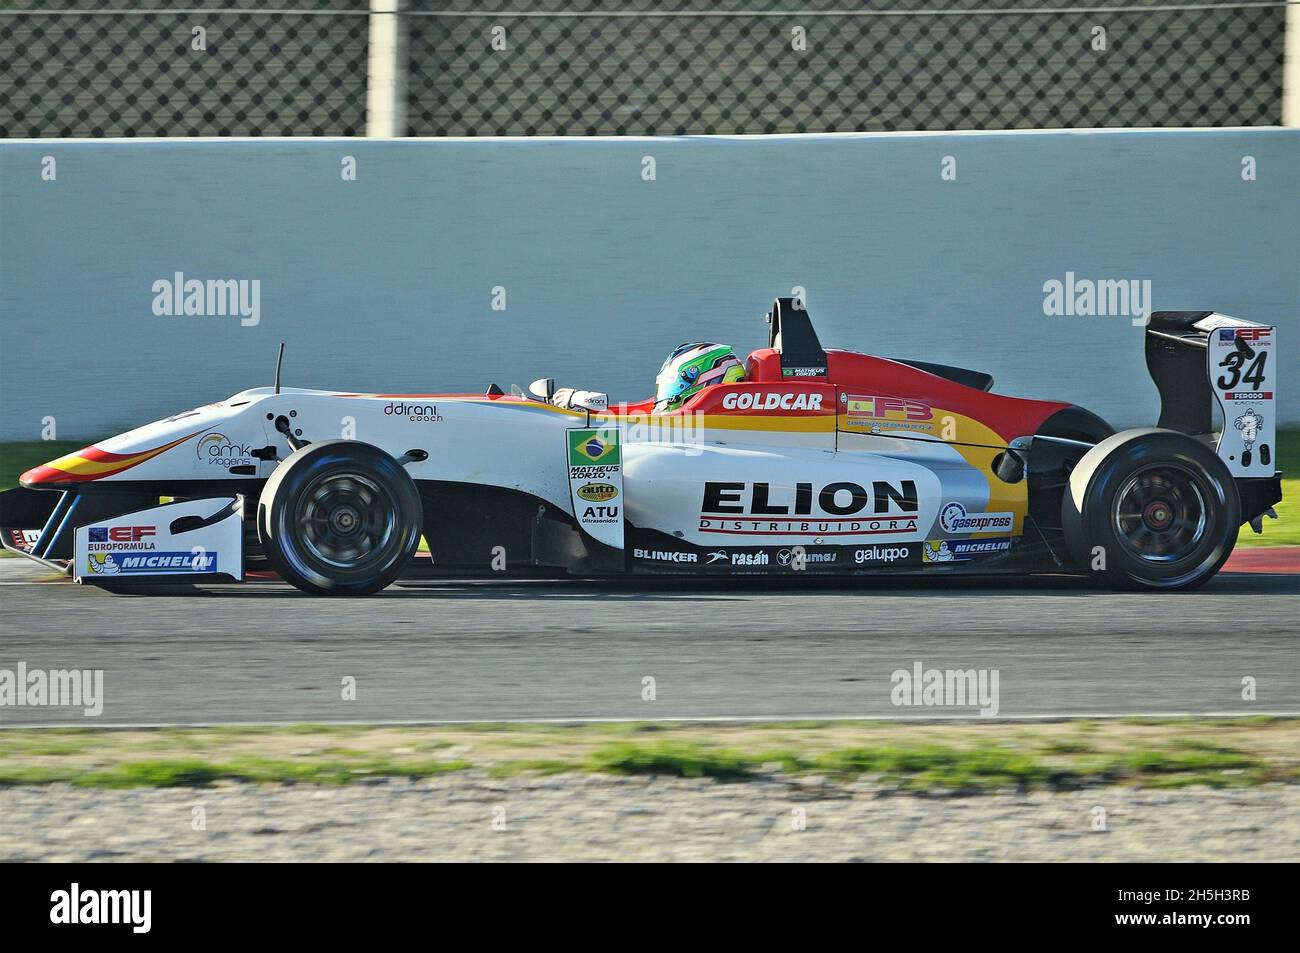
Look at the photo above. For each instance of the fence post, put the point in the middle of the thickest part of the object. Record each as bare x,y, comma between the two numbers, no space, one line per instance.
1291,68
386,75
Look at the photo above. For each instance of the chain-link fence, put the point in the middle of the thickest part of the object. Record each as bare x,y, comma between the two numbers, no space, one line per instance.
925,66
228,70
639,67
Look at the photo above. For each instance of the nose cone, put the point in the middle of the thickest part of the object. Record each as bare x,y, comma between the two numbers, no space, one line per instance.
90,463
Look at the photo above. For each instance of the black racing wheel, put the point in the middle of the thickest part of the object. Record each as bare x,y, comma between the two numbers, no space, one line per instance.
339,518
1151,509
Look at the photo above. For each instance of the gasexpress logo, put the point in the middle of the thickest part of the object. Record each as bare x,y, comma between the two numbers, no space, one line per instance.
954,519
751,400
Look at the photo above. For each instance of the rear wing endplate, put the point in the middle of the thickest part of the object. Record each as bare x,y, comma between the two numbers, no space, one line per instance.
1200,359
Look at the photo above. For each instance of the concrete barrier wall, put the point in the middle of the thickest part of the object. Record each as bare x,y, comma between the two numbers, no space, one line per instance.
386,283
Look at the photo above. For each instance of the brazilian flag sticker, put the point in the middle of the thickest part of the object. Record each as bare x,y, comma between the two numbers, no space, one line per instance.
593,448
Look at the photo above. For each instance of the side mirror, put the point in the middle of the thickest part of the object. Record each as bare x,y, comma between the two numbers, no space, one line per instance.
543,388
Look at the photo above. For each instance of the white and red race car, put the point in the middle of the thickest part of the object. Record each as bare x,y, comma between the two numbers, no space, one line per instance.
819,461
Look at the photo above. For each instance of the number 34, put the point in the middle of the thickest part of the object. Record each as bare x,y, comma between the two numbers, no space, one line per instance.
1254,375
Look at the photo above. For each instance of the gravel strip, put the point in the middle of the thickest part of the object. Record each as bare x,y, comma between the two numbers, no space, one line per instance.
599,817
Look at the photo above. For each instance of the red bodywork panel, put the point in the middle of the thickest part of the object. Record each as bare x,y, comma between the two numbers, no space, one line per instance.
851,372
861,374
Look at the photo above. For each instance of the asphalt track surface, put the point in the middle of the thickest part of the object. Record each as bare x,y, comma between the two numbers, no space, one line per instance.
537,650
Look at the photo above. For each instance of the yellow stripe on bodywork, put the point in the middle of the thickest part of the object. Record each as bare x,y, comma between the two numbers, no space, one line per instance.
517,405
979,446
691,423
79,466
76,465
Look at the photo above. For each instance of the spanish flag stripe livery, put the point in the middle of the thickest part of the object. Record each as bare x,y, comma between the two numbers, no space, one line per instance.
93,463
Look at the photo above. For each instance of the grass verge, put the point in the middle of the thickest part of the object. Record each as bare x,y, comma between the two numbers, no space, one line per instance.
1285,530
17,457
909,757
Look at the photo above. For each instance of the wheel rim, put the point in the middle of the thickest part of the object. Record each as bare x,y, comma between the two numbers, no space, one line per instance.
346,520
1160,513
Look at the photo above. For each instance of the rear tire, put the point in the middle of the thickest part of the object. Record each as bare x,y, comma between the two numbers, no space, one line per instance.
339,518
1151,509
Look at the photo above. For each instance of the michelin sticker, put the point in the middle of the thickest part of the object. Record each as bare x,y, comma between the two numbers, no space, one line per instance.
192,537
596,482
962,550
1243,375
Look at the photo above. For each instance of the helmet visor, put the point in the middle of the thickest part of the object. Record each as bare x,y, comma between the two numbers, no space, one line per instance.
690,369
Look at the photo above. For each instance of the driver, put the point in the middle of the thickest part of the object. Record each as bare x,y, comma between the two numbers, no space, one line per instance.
690,369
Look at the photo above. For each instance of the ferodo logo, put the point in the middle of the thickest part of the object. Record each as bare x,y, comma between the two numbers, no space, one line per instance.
954,519
597,492
751,400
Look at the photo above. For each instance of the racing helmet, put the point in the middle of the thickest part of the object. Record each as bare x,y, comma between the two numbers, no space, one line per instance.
693,367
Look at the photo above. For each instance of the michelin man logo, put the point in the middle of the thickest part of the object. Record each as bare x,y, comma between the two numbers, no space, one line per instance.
938,554
1249,424
103,564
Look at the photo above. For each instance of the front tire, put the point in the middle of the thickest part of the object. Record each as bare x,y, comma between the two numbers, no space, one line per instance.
339,518
1151,509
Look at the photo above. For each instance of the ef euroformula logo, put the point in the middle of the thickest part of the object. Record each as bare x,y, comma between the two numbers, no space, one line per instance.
103,907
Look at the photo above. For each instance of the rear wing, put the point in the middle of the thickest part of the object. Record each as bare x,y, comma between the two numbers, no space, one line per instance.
1200,359
790,333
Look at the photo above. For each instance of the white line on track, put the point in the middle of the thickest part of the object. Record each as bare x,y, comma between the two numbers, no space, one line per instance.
684,720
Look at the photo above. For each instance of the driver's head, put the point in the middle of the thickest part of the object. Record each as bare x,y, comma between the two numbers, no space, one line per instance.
690,369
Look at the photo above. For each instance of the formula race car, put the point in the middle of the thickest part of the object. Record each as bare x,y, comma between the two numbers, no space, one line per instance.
796,460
